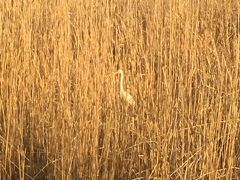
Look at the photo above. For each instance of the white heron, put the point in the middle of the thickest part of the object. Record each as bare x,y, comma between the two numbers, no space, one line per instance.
123,94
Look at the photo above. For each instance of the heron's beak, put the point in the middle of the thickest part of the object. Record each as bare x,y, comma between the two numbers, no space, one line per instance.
110,74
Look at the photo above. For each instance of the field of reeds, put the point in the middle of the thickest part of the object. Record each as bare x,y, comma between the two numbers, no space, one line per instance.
61,116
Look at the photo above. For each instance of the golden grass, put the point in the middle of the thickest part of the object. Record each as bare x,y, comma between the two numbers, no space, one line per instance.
60,114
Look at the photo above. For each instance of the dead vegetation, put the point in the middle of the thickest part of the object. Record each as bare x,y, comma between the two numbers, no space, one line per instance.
60,114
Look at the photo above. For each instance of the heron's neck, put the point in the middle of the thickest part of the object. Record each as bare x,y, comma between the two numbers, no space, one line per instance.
121,82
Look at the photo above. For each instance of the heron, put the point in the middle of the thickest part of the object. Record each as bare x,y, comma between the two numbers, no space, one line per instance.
123,94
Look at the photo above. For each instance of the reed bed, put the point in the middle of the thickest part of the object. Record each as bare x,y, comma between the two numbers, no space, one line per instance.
60,112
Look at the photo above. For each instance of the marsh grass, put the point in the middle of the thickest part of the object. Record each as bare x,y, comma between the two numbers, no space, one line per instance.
60,113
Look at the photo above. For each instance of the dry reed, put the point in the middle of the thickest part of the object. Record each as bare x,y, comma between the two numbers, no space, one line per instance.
60,113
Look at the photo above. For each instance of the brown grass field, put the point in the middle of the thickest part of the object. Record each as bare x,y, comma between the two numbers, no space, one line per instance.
61,116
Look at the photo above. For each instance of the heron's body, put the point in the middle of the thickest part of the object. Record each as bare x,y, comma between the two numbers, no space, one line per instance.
123,94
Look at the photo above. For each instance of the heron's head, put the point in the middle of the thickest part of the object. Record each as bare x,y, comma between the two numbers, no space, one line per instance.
119,72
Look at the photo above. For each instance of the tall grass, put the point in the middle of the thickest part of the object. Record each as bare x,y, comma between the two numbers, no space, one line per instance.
60,113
